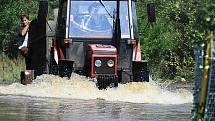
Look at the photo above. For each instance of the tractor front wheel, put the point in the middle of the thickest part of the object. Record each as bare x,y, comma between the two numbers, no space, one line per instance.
104,81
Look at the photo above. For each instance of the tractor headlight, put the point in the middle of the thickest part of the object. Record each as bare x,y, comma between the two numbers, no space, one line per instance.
110,63
98,63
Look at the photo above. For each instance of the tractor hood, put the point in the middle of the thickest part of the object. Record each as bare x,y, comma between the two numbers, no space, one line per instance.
103,49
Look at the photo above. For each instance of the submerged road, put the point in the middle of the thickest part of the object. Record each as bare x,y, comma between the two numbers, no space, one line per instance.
52,98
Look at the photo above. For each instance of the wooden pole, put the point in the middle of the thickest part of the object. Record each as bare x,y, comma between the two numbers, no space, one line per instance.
205,77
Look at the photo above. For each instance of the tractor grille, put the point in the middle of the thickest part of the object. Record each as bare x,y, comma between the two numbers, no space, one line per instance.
104,69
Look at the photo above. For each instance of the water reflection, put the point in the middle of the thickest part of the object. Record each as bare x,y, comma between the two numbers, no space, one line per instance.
23,108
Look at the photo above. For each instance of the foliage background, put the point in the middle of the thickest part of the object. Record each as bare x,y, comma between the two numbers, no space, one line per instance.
168,44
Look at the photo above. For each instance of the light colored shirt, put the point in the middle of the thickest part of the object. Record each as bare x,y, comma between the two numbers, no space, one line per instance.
25,42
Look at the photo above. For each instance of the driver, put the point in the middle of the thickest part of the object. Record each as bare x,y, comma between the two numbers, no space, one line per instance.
97,21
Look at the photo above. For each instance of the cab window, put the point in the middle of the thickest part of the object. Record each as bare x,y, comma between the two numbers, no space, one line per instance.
89,19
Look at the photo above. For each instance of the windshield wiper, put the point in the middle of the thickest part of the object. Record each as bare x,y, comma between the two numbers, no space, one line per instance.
100,1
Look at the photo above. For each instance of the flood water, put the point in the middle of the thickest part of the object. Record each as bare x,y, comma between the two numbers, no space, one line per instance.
51,98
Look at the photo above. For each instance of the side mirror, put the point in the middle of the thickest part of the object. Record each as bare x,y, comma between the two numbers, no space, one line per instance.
151,12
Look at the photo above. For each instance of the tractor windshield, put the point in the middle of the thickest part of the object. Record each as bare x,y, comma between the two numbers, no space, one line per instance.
89,19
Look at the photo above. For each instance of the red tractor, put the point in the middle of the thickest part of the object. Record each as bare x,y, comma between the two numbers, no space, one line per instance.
95,38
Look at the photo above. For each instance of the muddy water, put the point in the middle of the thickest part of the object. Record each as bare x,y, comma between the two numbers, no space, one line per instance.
54,98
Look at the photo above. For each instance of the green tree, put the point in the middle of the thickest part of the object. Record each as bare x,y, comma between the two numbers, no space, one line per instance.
10,12
169,43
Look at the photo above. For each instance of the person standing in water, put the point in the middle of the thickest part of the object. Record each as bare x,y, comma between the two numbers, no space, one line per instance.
23,38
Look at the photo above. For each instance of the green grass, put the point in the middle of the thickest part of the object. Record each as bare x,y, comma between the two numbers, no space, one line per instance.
10,69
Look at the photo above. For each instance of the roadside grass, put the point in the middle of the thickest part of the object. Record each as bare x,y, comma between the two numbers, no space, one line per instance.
10,69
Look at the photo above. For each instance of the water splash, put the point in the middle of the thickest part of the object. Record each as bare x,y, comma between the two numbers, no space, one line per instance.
79,87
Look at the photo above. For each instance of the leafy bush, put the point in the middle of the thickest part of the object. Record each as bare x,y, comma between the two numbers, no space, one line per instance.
169,43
